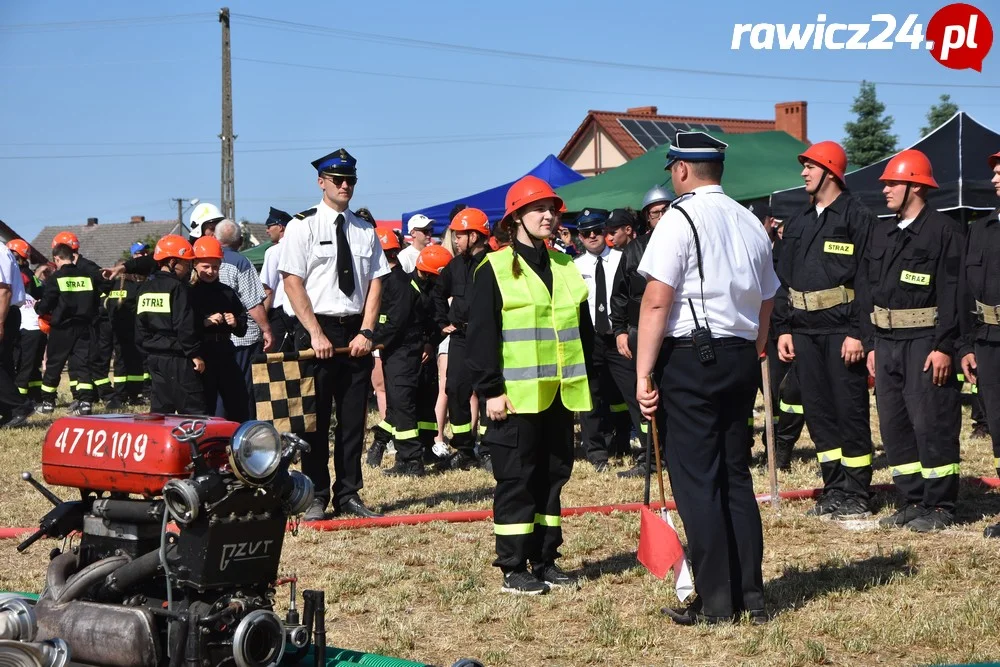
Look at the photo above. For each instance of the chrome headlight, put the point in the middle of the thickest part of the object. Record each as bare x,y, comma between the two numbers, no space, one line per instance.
255,452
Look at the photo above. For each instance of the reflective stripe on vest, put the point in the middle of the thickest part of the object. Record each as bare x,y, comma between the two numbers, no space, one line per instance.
541,349
75,284
154,302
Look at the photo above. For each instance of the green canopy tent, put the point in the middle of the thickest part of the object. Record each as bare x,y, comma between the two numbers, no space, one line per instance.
256,254
756,162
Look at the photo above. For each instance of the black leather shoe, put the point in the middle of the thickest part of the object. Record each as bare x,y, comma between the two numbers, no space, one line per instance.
688,616
992,531
316,511
357,508
15,421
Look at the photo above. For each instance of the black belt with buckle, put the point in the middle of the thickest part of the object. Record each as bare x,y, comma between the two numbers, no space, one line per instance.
339,319
729,341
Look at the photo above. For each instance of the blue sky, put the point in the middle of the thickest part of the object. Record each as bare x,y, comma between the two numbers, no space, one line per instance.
427,123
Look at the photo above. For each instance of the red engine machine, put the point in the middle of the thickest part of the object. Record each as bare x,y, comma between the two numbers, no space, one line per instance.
134,593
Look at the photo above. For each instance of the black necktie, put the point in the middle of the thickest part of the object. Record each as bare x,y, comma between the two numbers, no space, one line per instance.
602,324
345,264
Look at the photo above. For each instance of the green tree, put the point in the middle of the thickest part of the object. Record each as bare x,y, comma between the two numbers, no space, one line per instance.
939,114
150,241
868,138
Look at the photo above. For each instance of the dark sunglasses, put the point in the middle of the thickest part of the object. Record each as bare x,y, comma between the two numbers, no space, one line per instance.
339,180
587,233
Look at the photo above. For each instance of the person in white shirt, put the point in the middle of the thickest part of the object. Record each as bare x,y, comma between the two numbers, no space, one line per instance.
421,230
702,325
14,408
332,266
598,266
282,325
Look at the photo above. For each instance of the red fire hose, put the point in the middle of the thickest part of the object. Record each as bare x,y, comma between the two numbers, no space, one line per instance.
465,516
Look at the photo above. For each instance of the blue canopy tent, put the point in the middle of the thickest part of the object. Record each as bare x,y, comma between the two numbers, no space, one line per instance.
552,170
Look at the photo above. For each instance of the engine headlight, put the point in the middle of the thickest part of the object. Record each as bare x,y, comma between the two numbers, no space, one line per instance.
255,452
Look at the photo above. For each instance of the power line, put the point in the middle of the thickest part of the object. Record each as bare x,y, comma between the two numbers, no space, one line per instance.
136,21
392,40
65,65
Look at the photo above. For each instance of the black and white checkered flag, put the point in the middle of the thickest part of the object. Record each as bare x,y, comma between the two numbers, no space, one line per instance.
285,390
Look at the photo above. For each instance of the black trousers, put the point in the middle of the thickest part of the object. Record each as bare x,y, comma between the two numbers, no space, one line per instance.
30,352
102,349
786,399
532,460
72,343
988,383
345,382
458,388
919,422
11,402
129,367
282,330
708,461
244,361
401,370
177,388
837,406
623,372
223,382
605,429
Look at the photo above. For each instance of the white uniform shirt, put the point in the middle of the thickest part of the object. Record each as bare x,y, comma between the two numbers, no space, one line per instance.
10,274
270,276
736,258
587,264
29,318
311,253
408,258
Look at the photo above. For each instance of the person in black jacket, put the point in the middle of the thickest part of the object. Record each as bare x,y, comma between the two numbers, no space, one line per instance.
818,323
980,347
128,365
455,283
169,331
70,298
912,268
221,313
626,295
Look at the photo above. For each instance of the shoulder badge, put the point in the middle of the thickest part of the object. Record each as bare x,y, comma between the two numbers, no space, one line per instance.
305,214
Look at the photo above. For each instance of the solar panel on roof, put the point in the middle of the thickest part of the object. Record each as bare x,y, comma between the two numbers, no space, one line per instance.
667,128
654,131
713,128
682,127
637,133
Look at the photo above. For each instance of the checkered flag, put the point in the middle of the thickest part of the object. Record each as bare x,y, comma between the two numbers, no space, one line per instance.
285,390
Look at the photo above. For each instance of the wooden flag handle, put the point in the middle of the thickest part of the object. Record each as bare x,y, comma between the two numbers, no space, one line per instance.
280,357
651,386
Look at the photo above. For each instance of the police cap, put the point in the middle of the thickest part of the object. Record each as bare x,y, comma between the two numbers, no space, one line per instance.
337,163
696,147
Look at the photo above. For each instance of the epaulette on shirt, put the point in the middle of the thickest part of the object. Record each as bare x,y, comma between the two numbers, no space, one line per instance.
305,214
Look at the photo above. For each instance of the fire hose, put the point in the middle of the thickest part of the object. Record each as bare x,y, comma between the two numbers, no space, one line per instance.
468,516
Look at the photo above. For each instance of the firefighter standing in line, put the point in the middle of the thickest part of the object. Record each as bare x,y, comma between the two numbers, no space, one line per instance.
455,283
30,347
221,315
529,325
282,325
626,296
703,323
601,425
913,268
128,367
430,263
168,332
980,350
818,323
14,408
70,297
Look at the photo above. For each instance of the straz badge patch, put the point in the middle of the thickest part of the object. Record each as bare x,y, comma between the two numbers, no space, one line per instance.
838,248
911,278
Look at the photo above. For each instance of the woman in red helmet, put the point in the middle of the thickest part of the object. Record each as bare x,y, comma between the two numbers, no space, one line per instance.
528,313
912,268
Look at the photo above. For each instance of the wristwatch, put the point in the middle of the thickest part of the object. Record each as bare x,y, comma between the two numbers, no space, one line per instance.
367,333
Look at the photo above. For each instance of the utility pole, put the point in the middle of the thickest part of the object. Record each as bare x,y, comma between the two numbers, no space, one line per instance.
228,173
180,210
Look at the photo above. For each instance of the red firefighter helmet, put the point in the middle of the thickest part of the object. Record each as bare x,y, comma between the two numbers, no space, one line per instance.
45,324
66,238
19,247
528,190
994,160
387,239
471,220
910,166
433,259
173,246
207,247
829,155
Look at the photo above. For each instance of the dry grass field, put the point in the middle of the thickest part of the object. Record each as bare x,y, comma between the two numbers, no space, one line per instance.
428,593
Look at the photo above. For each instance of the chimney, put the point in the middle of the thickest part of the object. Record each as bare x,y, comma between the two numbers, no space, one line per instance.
791,117
642,111
137,218
91,222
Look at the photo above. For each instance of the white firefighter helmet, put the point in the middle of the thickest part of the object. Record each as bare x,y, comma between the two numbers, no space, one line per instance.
202,213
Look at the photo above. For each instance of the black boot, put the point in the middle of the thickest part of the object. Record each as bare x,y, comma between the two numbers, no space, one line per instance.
783,455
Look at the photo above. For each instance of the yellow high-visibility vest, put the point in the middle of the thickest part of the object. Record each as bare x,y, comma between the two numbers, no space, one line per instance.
540,333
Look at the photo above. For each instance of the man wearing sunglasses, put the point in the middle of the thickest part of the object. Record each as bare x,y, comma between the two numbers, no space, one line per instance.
331,266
